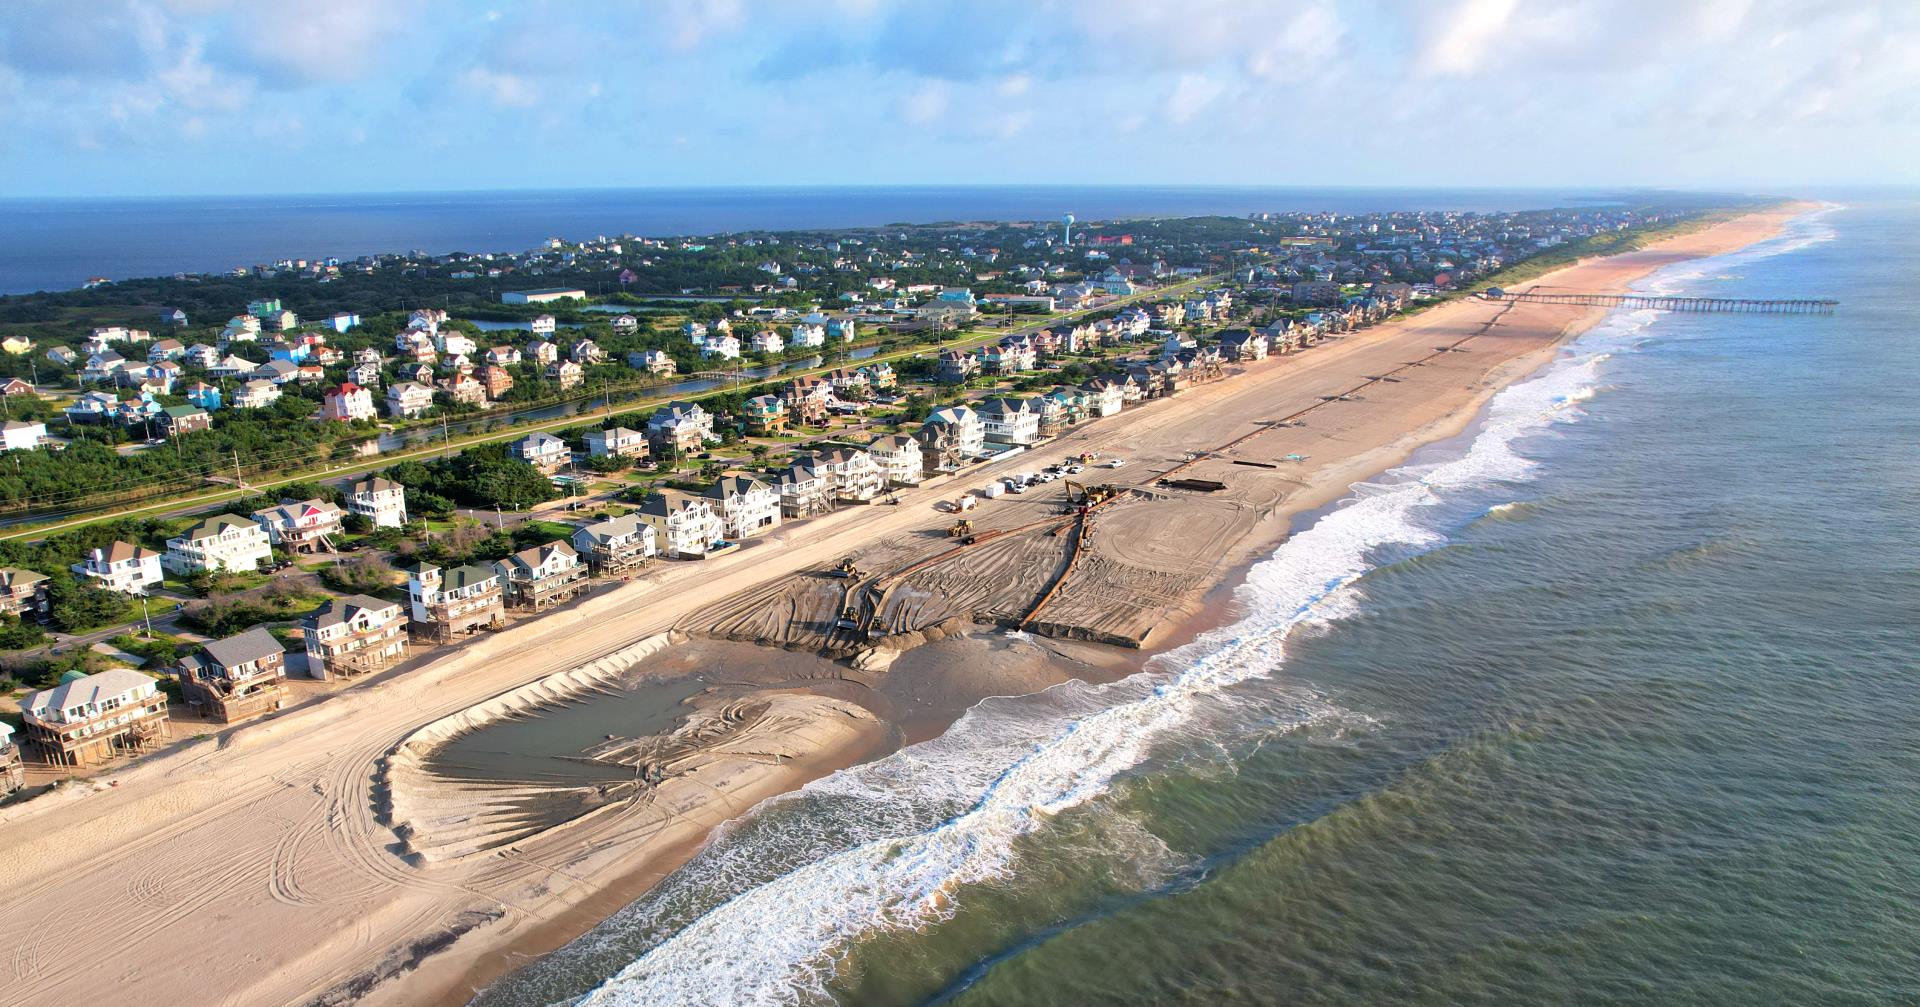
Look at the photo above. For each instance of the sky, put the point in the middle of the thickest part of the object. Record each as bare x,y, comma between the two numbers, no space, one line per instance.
158,97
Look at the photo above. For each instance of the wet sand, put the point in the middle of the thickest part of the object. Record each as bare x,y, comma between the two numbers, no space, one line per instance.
312,890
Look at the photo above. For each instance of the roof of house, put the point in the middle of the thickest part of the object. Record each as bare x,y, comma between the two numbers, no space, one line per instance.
663,502
120,552
467,575
612,528
252,645
214,525
373,484
85,689
293,510
533,556
12,577
727,486
340,610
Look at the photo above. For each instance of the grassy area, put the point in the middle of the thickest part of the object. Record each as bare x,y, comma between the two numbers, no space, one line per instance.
625,412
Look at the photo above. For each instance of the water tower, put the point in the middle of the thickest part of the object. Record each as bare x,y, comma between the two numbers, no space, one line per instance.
1066,229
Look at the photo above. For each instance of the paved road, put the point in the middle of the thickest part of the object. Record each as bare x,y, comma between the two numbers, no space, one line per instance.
193,504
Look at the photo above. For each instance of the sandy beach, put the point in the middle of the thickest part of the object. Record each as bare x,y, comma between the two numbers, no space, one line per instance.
319,857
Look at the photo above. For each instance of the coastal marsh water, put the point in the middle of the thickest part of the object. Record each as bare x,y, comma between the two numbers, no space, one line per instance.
1616,703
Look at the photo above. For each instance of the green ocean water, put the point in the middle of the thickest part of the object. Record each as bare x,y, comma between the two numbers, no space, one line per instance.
1613,701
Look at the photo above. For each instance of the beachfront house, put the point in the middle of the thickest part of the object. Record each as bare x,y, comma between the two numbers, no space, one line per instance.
128,569
686,526
379,500
1010,422
13,774
236,678
951,437
746,505
804,491
354,635
542,576
851,472
449,604
899,459
91,719
617,545
221,542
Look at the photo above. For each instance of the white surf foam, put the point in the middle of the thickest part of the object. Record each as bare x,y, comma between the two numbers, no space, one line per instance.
776,943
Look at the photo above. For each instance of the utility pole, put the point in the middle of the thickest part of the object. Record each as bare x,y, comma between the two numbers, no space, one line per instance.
238,480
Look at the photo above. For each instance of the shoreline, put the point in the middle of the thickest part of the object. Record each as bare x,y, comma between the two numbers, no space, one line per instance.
1217,606
316,899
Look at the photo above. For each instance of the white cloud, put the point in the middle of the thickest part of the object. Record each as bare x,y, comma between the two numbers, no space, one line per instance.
925,104
1468,33
506,89
1191,95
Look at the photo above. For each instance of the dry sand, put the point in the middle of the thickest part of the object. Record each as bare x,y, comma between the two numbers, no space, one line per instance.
263,867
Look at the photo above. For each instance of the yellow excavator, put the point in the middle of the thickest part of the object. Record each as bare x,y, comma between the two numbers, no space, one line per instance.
960,529
847,569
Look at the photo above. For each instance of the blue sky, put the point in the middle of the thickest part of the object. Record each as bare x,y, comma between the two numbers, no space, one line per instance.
145,97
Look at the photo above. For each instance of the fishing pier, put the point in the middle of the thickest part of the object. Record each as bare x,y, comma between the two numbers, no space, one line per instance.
1748,305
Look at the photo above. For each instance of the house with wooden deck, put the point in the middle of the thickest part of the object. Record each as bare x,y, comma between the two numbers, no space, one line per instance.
899,459
13,774
617,545
449,604
236,678
301,526
748,506
687,526
542,576
766,416
88,720
616,442
354,635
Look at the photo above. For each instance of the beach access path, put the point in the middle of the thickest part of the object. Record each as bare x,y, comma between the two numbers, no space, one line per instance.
254,868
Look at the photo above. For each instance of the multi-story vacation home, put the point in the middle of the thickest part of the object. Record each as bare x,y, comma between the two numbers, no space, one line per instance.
232,679
448,604
23,594
354,635
686,525
542,576
91,719
380,500
301,526
617,545
221,542
128,569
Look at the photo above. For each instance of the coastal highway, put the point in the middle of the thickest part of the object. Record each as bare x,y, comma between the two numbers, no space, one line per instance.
32,526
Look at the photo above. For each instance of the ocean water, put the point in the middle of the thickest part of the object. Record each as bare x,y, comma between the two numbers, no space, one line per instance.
1613,700
58,244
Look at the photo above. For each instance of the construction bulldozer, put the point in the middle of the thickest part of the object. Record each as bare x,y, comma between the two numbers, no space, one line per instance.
846,569
960,529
